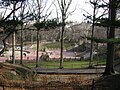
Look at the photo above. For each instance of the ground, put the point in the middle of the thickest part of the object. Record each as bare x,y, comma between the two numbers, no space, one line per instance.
61,79
16,76
55,81
111,82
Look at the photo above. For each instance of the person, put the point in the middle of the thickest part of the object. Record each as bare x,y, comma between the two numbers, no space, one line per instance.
24,54
41,57
47,57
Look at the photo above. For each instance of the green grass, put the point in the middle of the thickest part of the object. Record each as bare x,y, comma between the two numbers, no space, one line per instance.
56,45
71,64
100,61
52,45
66,64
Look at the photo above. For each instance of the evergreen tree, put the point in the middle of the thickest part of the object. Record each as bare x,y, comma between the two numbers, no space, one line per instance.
111,23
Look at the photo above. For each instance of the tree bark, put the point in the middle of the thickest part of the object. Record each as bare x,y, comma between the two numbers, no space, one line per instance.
13,48
13,36
62,39
62,47
92,35
21,52
37,52
110,46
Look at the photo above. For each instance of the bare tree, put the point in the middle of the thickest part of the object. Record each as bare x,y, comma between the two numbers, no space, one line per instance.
40,18
13,36
64,6
111,23
21,32
94,19
12,23
93,25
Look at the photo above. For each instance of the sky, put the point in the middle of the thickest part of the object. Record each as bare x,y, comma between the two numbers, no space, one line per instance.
81,6
76,10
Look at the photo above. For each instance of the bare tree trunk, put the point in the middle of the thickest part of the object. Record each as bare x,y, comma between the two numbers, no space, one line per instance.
37,52
21,53
38,20
62,45
62,36
13,48
21,33
31,37
64,5
13,37
21,46
91,47
110,46
92,43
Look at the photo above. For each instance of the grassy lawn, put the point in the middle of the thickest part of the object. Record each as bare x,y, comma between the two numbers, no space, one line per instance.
52,45
71,64
66,64
56,45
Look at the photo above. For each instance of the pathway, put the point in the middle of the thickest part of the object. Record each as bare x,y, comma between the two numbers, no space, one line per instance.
68,71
